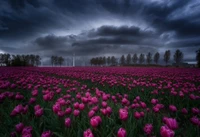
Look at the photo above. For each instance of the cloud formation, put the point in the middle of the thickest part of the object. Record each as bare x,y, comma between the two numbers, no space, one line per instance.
99,27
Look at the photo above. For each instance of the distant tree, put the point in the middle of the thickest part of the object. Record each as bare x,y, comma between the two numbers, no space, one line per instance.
113,60
23,59
32,59
60,60
149,58
100,61
178,57
16,60
135,58
108,60
156,57
198,58
37,60
167,56
128,59
92,61
52,60
56,60
27,60
104,60
97,61
7,59
122,60
141,58
1,59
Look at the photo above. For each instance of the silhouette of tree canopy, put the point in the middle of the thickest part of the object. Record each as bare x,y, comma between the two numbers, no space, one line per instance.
128,59
178,57
19,60
149,58
135,58
56,60
122,60
156,57
198,58
141,58
167,56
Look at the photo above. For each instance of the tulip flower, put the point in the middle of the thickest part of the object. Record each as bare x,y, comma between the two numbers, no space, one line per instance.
121,132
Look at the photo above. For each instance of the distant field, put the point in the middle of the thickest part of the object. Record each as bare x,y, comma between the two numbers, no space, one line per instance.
99,102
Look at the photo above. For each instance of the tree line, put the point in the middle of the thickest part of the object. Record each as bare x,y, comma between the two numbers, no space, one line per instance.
104,61
135,59
19,60
7,59
57,60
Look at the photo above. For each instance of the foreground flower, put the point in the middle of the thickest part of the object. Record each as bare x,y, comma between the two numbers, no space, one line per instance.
17,110
148,128
91,113
19,127
123,114
26,135
154,101
137,115
171,123
88,133
81,106
67,122
46,134
68,110
39,112
27,130
13,134
95,121
184,111
166,132
172,108
76,112
194,120
121,132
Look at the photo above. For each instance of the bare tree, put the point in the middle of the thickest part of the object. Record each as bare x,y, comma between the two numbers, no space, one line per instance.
156,57
104,60
198,58
52,60
135,58
128,59
32,59
113,60
167,56
60,60
108,60
122,60
178,57
141,58
37,60
149,58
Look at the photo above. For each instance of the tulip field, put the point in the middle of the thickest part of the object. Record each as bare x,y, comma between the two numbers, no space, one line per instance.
99,102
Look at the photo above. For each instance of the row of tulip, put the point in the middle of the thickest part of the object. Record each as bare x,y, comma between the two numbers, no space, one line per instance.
99,102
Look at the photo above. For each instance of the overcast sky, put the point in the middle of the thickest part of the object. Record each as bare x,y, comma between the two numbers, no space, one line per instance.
99,27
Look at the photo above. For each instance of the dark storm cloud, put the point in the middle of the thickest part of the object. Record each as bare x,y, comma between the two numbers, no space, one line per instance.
184,43
105,39
161,17
121,31
99,27
20,4
52,41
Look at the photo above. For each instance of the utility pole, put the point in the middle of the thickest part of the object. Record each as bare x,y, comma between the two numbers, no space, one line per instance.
74,60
